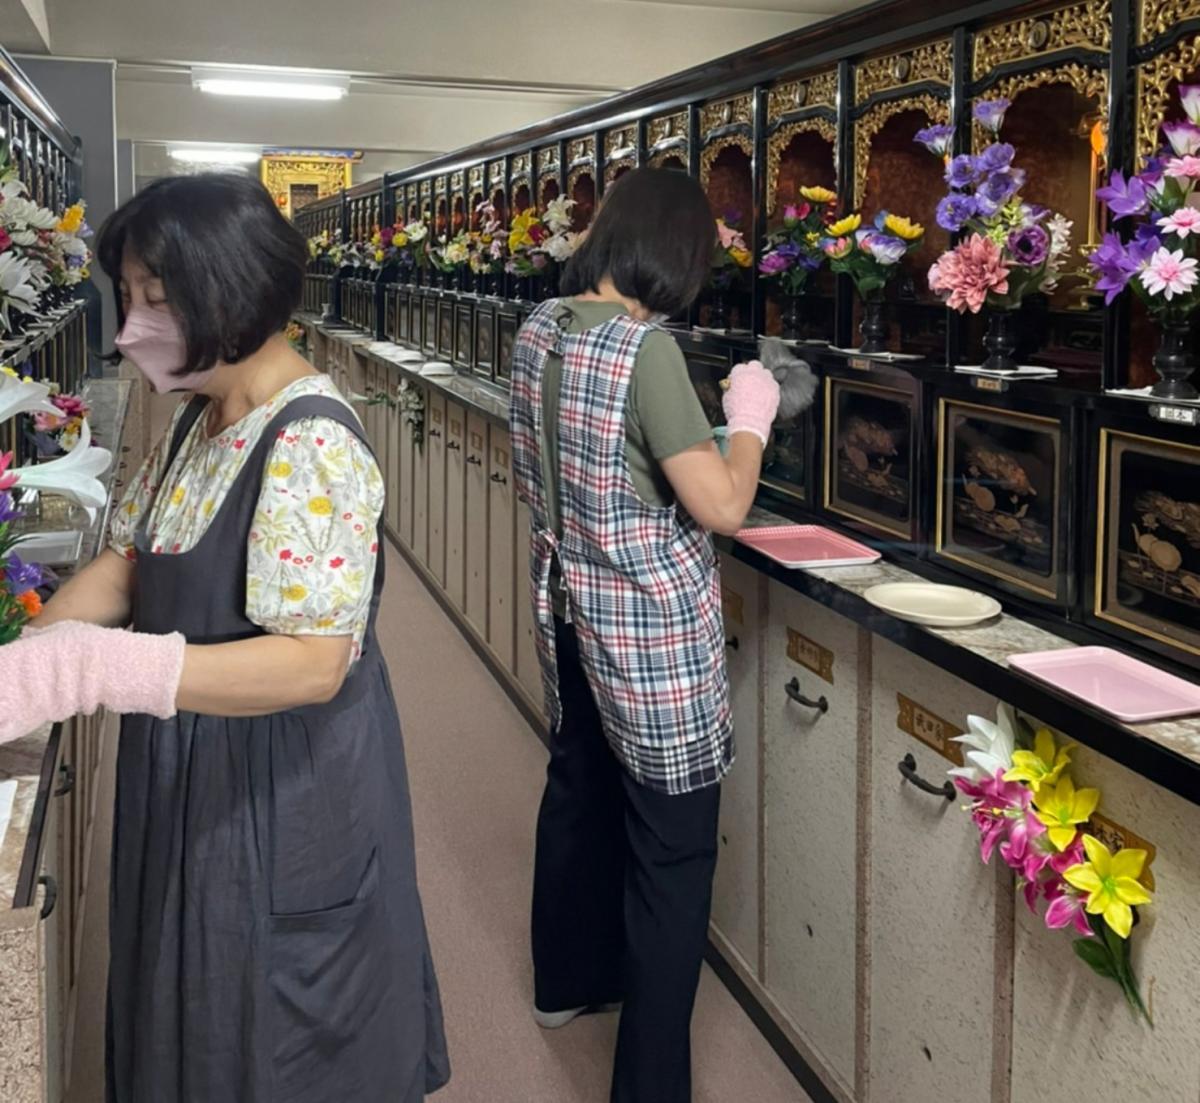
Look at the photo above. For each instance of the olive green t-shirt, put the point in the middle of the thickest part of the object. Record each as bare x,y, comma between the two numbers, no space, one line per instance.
663,415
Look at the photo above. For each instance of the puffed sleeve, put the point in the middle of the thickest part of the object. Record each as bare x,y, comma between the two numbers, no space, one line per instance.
139,495
313,544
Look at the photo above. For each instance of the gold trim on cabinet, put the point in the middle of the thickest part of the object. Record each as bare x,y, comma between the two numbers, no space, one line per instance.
666,127
495,174
611,168
873,121
1154,96
1157,17
778,142
1087,25
520,166
475,177
581,149
659,158
798,95
738,110
620,142
712,151
932,61
1088,82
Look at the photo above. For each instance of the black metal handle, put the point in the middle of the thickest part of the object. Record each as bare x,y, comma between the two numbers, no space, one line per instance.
435,432
908,767
475,460
821,704
732,643
67,771
51,886
497,478
453,445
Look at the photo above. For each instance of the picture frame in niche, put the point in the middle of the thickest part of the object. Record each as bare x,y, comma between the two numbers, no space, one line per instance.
401,314
1003,496
507,324
429,326
416,313
1145,575
483,358
870,455
445,329
463,334
706,368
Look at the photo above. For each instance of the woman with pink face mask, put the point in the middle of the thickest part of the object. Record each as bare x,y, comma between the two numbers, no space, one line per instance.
267,938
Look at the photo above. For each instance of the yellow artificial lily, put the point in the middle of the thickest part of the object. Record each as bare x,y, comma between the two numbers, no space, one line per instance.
818,195
400,239
1041,766
72,219
846,225
519,234
1111,882
741,257
903,228
1063,808
378,254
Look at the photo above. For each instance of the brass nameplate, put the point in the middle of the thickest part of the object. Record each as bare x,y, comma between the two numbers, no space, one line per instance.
1176,415
455,428
983,383
500,457
917,721
859,363
810,654
477,440
437,417
1116,837
732,605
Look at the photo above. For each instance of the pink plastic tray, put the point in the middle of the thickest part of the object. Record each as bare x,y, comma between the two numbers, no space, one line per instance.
806,546
1130,690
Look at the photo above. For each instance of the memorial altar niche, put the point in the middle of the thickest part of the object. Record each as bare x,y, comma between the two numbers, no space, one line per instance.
802,151
727,176
895,96
668,144
581,181
497,185
547,162
476,195
520,185
620,153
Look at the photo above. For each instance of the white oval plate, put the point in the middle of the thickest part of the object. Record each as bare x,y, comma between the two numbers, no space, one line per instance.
437,367
933,605
407,356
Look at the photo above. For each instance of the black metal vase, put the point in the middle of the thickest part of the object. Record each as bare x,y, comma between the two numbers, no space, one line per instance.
1174,363
718,309
791,318
874,327
1000,341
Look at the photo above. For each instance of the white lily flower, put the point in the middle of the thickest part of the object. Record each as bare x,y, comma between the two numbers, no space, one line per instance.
75,476
19,397
992,745
25,210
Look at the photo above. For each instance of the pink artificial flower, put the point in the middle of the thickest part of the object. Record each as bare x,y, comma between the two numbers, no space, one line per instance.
968,273
838,247
7,479
728,236
1066,908
997,807
1183,168
1169,273
794,213
1184,221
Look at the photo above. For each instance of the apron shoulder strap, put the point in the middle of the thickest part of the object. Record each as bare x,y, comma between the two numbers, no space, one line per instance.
191,414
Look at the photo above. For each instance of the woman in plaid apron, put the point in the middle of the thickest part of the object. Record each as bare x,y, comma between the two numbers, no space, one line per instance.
627,605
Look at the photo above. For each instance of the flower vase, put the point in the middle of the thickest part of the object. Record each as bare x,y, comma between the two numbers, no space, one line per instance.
1001,341
1173,362
718,310
493,284
790,319
874,327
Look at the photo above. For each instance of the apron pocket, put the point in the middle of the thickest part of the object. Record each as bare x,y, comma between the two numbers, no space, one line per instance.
329,979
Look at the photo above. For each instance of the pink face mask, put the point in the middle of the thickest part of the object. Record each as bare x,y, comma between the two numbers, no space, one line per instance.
154,341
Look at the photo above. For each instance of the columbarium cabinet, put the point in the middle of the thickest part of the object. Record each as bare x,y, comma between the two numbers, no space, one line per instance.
456,504
477,525
501,633
436,452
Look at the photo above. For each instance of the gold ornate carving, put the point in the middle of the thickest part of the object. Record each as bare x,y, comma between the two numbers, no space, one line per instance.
495,173
280,174
1088,82
930,62
936,110
1157,17
709,156
676,153
1155,99
796,95
581,149
577,174
475,178
778,142
520,166
425,185
611,168
1087,25
547,160
738,111
439,185
456,181
617,142
667,127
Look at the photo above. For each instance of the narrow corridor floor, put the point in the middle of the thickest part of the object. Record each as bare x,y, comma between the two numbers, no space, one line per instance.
476,772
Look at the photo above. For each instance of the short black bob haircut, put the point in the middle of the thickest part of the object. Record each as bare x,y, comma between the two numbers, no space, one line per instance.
653,236
231,265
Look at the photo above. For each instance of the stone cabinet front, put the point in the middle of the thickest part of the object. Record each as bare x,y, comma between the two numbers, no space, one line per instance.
811,794
477,524
501,631
435,447
456,503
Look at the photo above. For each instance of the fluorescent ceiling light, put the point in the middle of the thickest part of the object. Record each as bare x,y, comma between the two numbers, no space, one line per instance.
217,156
271,84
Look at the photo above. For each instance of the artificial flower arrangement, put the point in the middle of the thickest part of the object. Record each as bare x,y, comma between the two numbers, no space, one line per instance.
295,336
19,600
1159,261
1027,809
57,434
1012,248
411,400
452,254
731,257
793,252
486,245
535,242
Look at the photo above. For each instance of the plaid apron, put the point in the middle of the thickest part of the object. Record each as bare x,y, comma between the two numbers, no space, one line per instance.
641,582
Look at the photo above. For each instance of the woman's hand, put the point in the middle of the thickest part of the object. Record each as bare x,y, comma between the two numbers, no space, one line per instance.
751,401
70,667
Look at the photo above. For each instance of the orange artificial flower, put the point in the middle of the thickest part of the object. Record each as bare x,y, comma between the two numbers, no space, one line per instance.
31,603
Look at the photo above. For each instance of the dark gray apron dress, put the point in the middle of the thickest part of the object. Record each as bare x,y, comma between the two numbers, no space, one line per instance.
267,939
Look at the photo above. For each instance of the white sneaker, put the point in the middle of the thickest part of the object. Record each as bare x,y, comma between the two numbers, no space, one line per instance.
554,1020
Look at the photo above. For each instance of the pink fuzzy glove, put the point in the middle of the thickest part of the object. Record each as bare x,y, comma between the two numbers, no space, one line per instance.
751,400
71,667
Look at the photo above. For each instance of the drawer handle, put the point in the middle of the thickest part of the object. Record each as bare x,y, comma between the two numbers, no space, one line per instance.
435,432
733,643
454,446
67,773
821,704
475,460
498,478
908,767
51,886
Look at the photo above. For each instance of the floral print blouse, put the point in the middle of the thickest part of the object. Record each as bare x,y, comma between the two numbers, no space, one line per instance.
310,561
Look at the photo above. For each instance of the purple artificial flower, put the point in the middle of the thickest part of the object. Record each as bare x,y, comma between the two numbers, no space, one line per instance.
887,250
954,211
998,189
807,260
1184,138
998,157
775,262
22,577
8,511
1124,198
936,139
1114,264
1029,246
990,113
962,172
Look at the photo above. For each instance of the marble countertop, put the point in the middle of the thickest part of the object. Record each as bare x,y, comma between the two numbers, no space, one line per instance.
25,760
